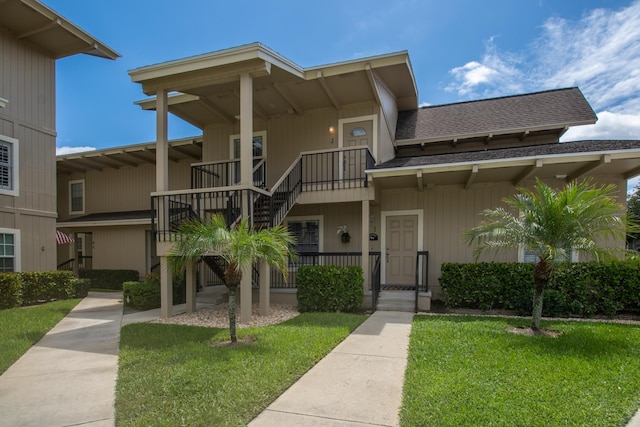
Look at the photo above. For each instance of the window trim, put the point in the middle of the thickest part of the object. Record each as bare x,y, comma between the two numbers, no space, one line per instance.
522,252
71,211
15,166
17,264
319,218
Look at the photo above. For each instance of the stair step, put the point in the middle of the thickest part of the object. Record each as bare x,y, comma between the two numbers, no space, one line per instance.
396,301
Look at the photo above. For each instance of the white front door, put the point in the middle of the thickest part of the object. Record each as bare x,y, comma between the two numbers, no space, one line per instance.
401,244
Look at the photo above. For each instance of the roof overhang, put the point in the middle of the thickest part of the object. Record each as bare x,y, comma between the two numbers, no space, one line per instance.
131,155
204,89
36,24
566,167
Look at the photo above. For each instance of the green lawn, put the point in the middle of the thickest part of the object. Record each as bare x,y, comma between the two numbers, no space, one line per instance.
171,375
22,327
470,371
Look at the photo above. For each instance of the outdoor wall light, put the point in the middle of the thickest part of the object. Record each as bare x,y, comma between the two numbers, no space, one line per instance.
332,131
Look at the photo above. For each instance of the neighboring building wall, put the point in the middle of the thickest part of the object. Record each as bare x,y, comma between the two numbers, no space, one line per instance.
119,190
27,81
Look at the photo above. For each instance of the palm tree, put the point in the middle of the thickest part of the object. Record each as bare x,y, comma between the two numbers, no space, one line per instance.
553,224
240,247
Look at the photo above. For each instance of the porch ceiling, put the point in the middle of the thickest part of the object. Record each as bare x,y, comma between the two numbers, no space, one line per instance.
206,88
621,162
133,156
35,23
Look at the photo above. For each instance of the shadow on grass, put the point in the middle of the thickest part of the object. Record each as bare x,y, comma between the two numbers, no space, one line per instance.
582,339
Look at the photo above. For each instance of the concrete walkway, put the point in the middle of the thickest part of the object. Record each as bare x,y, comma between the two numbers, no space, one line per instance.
358,384
68,377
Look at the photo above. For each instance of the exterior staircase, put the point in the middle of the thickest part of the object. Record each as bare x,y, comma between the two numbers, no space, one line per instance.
396,301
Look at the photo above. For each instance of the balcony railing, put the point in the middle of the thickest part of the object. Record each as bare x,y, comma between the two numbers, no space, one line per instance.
336,169
213,192
225,173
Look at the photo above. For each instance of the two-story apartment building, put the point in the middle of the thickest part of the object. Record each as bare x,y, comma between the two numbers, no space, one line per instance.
345,146
32,38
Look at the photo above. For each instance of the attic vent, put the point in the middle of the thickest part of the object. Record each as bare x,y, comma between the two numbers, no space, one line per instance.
358,132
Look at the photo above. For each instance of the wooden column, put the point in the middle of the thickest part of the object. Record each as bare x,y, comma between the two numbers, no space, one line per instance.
246,178
365,246
191,287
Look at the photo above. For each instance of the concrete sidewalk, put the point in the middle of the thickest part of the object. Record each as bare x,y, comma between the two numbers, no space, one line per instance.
68,377
358,384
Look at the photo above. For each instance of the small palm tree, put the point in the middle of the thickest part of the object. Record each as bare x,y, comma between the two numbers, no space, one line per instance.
553,224
241,246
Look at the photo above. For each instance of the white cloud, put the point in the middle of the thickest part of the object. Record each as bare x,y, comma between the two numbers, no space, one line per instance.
69,150
609,126
424,104
599,53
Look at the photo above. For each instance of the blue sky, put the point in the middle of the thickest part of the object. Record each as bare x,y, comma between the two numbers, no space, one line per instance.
459,49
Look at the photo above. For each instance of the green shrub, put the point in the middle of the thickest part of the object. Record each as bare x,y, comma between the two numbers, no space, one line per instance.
142,296
10,290
109,279
81,287
178,285
328,288
42,286
576,289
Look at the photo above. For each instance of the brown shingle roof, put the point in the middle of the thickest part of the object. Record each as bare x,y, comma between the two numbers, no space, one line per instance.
553,108
511,153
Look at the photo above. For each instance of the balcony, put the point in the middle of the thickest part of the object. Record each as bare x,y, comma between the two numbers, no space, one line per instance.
213,190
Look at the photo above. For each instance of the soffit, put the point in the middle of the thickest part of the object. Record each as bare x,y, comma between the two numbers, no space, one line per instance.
279,86
570,161
128,156
36,24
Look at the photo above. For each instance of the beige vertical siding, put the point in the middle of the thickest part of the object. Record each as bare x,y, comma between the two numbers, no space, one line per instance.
27,80
120,248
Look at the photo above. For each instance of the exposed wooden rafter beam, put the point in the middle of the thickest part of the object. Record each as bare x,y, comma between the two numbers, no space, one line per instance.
372,82
419,179
632,173
327,90
604,159
41,29
122,161
70,168
528,172
473,174
184,151
257,110
210,106
488,138
140,155
524,135
282,91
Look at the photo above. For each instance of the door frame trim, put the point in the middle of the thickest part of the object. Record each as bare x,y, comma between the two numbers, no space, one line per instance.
374,126
383,242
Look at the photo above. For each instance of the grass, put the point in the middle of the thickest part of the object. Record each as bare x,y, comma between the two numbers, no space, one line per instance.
172,375
470,371
21,327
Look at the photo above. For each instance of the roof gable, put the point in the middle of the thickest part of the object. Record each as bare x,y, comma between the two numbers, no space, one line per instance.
553,109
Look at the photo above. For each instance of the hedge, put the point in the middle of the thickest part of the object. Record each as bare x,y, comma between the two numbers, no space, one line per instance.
109,279
146,295
329,288
575,289
28,288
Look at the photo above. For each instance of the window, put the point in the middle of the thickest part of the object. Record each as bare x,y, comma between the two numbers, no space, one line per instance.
307,233
529,256
358,132
9,250
8,165
76,197
259,152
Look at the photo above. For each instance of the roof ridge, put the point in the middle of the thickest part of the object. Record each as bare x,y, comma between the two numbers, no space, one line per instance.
472,101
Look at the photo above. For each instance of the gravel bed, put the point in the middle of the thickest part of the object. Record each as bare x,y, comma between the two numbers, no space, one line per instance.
218,316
